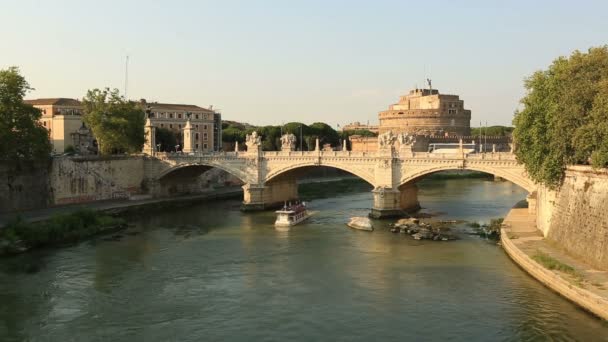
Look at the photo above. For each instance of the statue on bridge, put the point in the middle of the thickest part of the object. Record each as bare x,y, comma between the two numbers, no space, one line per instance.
386,140
253,142
405,139
288,142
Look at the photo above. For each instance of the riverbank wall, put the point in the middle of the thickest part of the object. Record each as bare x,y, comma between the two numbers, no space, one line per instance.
583,285
575,216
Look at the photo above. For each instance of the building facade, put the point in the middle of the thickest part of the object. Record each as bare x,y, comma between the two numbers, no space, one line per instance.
357,126
206,123
62,117
427,112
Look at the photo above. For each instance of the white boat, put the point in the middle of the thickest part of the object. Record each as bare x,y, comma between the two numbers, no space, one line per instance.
290,215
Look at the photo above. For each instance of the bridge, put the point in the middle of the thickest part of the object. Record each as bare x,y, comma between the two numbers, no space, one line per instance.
270,177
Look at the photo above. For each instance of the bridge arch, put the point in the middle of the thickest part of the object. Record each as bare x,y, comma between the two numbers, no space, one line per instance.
203,166
367,176
516,175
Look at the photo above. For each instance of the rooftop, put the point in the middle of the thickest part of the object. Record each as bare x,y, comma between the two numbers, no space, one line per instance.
59,101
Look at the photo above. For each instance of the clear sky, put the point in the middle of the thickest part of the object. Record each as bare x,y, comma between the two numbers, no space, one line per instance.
268,62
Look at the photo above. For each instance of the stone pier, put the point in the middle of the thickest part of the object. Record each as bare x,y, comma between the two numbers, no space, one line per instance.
270,195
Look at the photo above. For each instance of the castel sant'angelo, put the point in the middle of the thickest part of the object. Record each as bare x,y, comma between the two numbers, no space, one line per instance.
421,112
426,112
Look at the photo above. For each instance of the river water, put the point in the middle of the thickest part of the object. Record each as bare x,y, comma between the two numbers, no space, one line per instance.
211,273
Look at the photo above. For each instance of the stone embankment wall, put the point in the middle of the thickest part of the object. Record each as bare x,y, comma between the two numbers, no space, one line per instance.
81,180
575,217
24,186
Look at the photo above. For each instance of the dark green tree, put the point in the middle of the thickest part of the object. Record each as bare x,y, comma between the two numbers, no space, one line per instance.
117,124
564,119
22,137
166,138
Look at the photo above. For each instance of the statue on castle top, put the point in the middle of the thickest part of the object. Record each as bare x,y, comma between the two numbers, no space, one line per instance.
288,142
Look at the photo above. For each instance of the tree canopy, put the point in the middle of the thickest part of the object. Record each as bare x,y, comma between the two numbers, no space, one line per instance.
117,124
22,137
271,135
495,131
564,119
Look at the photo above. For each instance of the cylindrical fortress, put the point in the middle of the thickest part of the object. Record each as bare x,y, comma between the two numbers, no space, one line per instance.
426,112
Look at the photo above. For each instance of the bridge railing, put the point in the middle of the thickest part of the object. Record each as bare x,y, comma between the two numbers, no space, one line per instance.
456,155
317,154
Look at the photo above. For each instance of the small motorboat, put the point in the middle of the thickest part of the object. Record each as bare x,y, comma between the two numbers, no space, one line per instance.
292,214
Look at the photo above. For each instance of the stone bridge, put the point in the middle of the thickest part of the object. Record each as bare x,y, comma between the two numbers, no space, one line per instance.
270,177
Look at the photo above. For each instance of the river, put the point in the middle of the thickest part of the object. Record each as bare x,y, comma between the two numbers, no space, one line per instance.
209,272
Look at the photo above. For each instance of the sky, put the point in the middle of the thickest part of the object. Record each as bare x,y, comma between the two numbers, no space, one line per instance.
272,62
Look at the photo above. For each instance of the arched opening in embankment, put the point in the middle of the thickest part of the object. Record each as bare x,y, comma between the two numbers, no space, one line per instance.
197,179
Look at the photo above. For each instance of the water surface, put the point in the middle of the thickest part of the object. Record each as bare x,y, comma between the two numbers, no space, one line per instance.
209,273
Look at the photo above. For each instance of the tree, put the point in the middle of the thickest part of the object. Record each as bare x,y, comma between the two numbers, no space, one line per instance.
166,138
565,116
496,131
22,137
117,124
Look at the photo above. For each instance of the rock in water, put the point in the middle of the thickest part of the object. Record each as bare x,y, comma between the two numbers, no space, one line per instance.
361,223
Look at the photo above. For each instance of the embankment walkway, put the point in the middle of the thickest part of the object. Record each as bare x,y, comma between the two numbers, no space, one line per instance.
585,286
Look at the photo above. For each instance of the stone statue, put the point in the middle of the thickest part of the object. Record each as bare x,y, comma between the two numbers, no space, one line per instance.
253,138
406,139
253,142
288,142
386,140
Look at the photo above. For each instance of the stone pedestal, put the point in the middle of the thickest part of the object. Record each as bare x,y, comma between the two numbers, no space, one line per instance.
386,203
150,143
189,146
269,196
408,198
253,197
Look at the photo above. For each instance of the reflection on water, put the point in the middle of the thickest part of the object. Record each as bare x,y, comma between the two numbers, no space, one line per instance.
210,272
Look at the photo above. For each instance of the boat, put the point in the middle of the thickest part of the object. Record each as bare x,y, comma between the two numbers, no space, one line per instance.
290,215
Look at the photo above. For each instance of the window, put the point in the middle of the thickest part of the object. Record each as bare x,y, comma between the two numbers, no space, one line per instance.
196,116
170,125
205,136
196,136
196,146
196,126
162,125
204,146
179,126
179,116
204,127
170,115
44,123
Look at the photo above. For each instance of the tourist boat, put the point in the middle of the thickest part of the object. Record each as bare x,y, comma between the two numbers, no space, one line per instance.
290,215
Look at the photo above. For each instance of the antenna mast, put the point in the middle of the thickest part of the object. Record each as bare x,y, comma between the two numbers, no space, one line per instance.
126,75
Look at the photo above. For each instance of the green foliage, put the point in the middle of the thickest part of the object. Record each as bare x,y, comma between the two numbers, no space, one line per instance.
361,132
69,149
565,116
271,135
551,263
166,138
494,131
22,137
59,229
117,124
